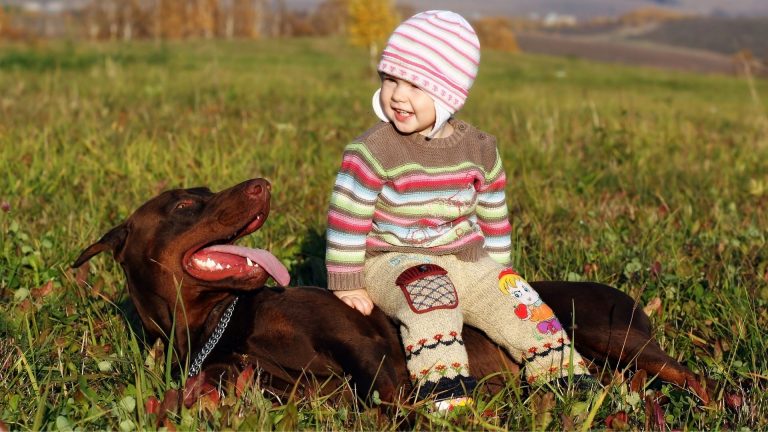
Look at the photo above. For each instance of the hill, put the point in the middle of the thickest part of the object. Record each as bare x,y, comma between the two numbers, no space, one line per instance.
658,38
627,52
717,34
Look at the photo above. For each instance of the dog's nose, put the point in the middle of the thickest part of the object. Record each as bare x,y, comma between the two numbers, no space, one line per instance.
257,187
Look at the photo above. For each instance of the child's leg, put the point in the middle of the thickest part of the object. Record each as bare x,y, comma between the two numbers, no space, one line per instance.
498,301
417,293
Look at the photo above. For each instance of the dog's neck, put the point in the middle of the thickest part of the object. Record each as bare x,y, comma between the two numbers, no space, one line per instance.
215,334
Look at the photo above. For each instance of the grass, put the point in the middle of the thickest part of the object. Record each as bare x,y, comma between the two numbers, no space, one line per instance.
654,182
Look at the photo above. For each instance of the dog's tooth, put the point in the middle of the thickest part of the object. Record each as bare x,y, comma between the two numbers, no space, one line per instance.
249,262
229,266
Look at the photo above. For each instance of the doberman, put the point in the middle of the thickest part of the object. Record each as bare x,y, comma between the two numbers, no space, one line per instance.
191,285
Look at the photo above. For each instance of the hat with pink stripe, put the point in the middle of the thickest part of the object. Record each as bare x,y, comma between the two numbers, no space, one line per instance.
438,51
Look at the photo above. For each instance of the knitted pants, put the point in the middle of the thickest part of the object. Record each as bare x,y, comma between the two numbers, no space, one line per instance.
431,296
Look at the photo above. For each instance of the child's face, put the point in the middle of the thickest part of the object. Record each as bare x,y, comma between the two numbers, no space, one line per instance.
410,109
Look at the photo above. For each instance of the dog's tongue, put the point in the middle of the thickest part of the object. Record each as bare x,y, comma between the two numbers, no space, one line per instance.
266,260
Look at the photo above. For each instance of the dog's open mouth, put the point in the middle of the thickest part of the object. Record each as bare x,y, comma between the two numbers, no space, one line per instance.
222,261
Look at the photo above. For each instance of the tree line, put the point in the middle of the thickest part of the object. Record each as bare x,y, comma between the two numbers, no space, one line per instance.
363,22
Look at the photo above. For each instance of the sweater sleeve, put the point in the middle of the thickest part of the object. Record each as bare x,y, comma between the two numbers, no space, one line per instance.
493,216
350,217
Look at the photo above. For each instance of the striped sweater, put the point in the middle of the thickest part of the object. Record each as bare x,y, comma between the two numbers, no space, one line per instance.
405,193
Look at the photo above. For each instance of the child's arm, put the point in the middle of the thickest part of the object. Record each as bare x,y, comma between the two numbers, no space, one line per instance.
493,216
350,217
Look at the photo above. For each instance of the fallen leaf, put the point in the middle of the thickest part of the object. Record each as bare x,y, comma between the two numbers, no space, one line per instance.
170,404
655,414
653,306
543,406
617,421
698,341
733,401
656,269
152,405
662,211
209,397
81,275
192,389
696,387
43,291
169,426
26,305
567,423
717,351
244,380
637,383
591,268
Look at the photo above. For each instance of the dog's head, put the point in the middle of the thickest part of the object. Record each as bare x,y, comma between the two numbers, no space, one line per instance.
178,246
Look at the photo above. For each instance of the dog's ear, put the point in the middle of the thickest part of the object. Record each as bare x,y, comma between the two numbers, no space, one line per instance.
114,240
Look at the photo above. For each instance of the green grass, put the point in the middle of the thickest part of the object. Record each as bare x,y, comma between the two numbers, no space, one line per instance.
654,182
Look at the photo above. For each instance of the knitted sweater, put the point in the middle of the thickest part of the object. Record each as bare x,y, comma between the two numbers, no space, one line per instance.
405,193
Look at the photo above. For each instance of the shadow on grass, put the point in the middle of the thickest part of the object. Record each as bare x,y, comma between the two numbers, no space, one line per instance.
131,315
310,262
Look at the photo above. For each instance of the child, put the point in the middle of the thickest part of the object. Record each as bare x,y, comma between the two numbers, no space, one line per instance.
418,220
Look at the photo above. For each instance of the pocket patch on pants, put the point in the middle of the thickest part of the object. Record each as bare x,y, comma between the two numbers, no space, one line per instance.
427,287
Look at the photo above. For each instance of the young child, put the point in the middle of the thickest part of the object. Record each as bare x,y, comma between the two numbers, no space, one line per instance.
418,221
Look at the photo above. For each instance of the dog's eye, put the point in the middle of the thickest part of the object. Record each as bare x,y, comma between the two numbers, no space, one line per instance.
184,204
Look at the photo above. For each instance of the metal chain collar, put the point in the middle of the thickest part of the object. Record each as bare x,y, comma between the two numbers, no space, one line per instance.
194,369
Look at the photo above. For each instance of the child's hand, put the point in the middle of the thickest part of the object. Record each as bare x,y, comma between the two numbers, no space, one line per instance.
356,299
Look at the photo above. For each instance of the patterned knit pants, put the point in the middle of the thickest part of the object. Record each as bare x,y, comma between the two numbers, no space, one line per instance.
431,296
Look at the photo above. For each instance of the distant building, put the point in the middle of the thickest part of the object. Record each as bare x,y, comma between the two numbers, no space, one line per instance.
554,19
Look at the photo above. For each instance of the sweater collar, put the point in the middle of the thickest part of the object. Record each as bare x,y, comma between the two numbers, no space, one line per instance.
460,129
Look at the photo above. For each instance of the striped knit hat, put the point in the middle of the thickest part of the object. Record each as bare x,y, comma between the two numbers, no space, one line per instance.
439,52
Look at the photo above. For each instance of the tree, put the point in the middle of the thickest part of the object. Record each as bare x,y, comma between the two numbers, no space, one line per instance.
370,22
496,33
330,18
171,19
3,21
203,17
244,18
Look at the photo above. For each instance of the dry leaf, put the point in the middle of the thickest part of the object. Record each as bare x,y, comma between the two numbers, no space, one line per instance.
244,380
43,291
152,405
637,383
81,275
543,405
170,404
653,306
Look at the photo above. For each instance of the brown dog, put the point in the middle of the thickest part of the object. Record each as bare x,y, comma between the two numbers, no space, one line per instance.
184,276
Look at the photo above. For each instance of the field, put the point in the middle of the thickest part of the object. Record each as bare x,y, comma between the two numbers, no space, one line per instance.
612,49
724,35
702,44
654,182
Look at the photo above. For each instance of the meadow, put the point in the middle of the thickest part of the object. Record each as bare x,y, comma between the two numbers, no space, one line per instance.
654,182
